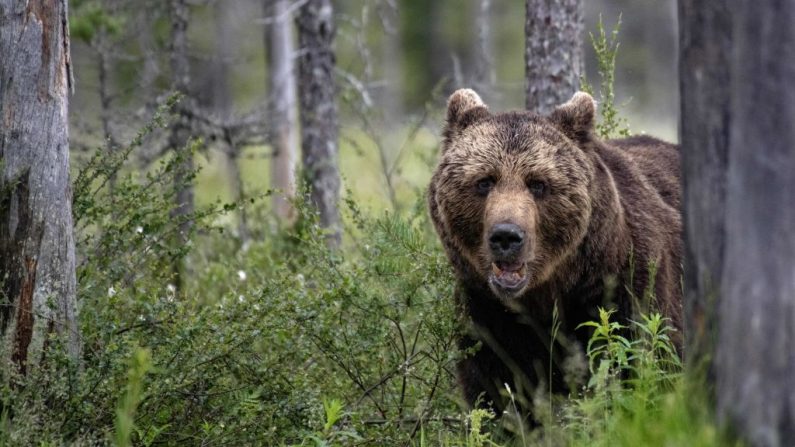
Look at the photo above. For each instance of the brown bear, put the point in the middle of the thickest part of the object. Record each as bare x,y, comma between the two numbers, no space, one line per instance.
539,216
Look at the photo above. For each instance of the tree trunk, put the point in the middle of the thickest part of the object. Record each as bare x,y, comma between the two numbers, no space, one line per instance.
215,94
484,75
37,257
553,52
103,50
755,360
391,94
283,106
705,47
737,140
181,128
319,128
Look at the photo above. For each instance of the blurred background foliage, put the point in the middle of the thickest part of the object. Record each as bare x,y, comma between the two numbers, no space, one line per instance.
407,56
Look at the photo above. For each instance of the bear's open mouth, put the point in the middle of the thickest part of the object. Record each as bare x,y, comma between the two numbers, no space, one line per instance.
510,277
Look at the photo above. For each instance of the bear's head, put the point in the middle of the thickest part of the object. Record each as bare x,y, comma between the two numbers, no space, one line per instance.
510,197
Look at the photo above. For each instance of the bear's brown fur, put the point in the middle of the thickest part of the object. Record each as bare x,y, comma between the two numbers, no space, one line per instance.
537,211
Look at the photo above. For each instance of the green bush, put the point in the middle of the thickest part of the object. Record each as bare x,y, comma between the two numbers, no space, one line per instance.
283,341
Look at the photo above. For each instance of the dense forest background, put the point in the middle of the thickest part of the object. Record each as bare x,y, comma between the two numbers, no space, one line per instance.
214,229
397,63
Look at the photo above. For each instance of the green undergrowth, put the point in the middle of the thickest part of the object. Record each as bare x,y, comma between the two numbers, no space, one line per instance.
282,341
278,340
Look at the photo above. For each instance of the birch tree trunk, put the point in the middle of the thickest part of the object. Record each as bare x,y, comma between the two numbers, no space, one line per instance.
553,52
37,257
755,359
319,126
283,105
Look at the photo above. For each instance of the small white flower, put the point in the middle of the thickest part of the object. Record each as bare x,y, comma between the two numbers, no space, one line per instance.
139,230
171,288
111,291
241,274
241,299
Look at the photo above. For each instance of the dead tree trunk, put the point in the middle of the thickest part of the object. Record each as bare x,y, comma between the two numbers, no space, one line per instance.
484,75
705,47
553,52
218,99
319,127
283,105
103,51
755,360
737,140
181,128
37,257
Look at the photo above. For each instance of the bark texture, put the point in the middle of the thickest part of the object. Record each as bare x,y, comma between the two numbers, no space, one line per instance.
705,46
181,128
37,258
553,52
738,111
755,360
319,125
283,106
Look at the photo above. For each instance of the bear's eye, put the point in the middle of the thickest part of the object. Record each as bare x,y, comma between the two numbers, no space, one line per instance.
537,188
484,185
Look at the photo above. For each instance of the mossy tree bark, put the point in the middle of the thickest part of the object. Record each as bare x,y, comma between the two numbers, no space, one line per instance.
37,257
737,143
553,52
319,124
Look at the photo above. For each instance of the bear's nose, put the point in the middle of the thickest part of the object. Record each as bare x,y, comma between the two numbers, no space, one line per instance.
506,239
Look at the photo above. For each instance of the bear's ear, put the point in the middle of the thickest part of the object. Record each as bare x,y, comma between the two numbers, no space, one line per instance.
464,108
576,117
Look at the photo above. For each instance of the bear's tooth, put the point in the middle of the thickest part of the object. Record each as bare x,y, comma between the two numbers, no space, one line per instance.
496,269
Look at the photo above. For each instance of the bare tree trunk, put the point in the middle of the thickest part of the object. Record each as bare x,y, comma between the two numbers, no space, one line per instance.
219,94
737,140
150,68
392,66
181,128
104,68
705,47
37,257
218,99
484,75
755,360
553,52
283,106
319,127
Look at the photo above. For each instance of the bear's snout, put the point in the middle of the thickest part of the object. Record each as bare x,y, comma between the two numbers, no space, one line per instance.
506,241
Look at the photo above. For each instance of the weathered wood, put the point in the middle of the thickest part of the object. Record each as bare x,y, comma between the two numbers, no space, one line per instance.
553,52
37,258
283,105
319,124
755,361
705,50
